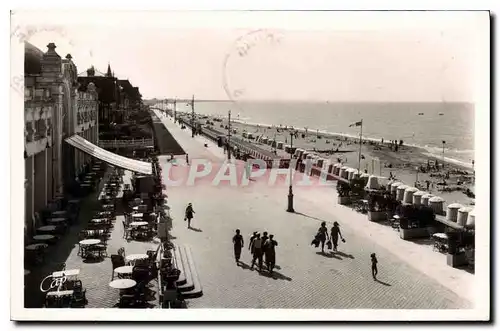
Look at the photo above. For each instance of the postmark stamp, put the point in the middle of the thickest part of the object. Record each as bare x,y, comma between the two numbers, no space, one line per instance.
249,44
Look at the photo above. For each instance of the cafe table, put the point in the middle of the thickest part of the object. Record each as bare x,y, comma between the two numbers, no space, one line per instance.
136,224
124,270
57,220
122,284
34,247
67,273
60,293
47,228
43,237
133,257
89,242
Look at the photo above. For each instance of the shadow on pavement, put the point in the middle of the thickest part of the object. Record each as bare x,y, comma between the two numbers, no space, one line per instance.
330,255
274,275
243,265
92,260
383,283
314,218
195,229
349,256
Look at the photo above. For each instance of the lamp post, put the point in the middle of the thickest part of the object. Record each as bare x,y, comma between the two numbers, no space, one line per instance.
192,117
444,142
229,136
290,189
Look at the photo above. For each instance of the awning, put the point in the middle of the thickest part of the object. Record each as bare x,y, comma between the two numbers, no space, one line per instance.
112,158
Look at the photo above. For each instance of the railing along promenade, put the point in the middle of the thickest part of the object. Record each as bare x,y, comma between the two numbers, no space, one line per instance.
126,143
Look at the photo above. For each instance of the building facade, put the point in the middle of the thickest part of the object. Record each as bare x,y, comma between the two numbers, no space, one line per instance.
55,108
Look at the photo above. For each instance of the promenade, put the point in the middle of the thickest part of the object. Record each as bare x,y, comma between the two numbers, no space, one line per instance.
411,276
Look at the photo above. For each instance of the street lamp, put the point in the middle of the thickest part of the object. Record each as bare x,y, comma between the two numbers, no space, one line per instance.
290,189
444,142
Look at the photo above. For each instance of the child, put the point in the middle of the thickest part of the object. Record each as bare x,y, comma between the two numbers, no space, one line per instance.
374,266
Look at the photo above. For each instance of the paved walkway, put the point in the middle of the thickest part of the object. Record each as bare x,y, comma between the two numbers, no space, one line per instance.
410,275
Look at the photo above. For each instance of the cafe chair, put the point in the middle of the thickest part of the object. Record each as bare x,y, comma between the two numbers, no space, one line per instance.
116,261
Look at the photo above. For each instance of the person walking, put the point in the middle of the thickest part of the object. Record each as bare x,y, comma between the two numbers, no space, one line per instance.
322,235
271,253
250,245
187,159
334,235
265,239
257,252
374,266
238,244
189,214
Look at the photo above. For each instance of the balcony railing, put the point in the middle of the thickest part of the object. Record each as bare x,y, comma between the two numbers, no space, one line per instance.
126,143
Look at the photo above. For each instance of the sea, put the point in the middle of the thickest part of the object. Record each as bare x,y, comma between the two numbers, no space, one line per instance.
425,125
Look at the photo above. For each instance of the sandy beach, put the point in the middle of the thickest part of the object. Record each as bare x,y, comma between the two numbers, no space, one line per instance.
402,164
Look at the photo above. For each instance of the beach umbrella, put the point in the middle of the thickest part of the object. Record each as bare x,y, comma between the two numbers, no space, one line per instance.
452,211
471,220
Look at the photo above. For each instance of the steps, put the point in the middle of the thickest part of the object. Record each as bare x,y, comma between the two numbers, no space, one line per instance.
189,283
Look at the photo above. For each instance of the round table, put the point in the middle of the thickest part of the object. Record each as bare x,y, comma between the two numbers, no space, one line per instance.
88,242
134,257
43,237
47,228
59,212
124,270
56,220
34,247
122,284
138,223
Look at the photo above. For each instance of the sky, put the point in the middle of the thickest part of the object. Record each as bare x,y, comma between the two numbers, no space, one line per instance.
374,57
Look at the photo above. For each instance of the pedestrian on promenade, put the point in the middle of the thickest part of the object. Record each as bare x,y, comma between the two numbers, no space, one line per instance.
265,239
257,251
322,235
374,266
335,233
187,159
271,253
250,245
189,214
238,244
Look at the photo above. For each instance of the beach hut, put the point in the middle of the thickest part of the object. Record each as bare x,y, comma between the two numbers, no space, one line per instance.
452,212
383,182
394,187
463,215
408,195
244,134
417,198
425,199
280,145
343,172
372,183
336,169
298,153
400,192
321,162
264,140
471,220
436,203
353,174
250,136
271,142
365,178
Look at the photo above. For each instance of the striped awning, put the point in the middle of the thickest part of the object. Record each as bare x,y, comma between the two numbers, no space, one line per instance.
108,157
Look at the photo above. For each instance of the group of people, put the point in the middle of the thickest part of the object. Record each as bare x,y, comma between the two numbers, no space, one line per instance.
261,247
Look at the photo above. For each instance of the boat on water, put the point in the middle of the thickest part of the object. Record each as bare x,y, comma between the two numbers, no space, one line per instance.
420,113
441,114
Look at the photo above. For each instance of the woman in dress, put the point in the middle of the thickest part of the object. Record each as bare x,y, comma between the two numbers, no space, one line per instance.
189,214
335,233
238,244
322,235
271,253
